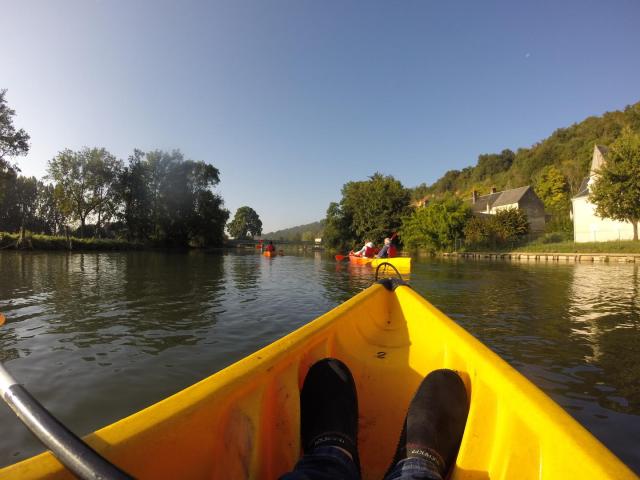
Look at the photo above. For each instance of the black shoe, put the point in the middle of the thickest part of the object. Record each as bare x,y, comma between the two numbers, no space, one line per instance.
435,422
329,408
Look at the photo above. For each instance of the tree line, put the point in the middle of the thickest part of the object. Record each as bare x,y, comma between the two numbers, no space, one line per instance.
154,197
555,166
379,206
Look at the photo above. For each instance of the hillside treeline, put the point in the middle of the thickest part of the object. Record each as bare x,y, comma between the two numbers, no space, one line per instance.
304,233
555,166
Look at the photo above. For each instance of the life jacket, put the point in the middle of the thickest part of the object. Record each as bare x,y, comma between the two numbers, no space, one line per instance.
392,251
370,251
270,248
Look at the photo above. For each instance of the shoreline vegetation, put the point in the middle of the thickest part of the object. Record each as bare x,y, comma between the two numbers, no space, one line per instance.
31,242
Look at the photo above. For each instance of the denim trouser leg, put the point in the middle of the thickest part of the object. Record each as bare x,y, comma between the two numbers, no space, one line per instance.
412,469
324,463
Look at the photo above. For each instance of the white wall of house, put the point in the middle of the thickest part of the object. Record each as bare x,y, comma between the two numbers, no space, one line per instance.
494,210
588,227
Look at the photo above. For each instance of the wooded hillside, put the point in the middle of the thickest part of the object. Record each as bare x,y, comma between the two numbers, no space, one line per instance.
568,149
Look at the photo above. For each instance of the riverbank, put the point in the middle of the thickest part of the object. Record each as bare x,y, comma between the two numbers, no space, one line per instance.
550,256
12,241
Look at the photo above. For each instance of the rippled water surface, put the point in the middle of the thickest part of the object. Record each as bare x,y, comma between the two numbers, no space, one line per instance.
98,336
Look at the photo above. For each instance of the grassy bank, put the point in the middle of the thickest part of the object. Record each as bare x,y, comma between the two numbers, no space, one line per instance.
9,241
626,246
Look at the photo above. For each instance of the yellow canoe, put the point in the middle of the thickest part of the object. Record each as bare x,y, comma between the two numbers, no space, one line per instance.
403,264
243,422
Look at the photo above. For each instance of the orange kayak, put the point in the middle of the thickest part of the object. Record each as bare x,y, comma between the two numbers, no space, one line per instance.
269,254
355,260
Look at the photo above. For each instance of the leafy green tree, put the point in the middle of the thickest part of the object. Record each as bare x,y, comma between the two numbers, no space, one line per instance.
12,144
338,233
552,188
375,206
134,197
507,226
81,181
510,224
616,191
437,226
103,169
246,222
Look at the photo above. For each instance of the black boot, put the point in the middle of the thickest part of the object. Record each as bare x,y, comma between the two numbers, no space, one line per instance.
435,422
329,408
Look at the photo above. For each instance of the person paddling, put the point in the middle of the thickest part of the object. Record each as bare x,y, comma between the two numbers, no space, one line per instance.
270,247
368,250
388,250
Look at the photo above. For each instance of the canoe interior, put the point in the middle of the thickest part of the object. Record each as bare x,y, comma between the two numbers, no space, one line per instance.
243,422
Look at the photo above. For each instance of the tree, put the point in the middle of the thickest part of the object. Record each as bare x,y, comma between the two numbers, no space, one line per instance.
552,186
375,207
134,198
245,222
170,200
75,182
616,191
436,226
103,171
12,143
507,226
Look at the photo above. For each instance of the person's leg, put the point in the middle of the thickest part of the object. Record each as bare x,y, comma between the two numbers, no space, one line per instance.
432,430
328,424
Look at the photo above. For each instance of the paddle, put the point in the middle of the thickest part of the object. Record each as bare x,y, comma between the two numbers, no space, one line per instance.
72,452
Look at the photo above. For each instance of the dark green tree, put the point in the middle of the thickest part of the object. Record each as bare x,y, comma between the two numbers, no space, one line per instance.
338,233
82,181
103,172
506,227
374,207
13,143
133,191
437,226
246,222
616,191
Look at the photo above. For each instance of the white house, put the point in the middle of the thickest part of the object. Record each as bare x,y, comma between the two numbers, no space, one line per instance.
587,226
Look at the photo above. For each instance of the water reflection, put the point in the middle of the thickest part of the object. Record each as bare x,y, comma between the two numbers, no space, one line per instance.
123,330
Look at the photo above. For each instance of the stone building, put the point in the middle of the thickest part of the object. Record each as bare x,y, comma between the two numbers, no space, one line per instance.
523,198
587,226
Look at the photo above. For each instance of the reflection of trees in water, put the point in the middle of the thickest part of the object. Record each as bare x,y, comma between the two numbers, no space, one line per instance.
245,270
516,309
342,280
605,316
152,301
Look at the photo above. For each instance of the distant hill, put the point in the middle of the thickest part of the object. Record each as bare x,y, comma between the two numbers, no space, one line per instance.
568,149
296,234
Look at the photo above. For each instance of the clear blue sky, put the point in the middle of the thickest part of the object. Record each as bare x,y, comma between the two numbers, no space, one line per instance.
291,99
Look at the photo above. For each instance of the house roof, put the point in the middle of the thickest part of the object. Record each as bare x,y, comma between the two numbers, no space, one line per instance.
583,191
599,157
506,197
598,160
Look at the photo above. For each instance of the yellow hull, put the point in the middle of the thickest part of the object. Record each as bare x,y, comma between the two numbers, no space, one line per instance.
243,422
403,264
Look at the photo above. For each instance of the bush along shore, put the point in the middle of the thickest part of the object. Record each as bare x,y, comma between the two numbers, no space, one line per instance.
27,241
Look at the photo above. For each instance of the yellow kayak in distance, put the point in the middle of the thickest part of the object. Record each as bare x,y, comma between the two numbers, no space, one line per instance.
243,422
403,264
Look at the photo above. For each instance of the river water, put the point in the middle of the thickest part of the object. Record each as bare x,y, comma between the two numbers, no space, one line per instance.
97,336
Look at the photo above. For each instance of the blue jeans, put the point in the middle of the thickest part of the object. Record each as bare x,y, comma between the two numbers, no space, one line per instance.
329,463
